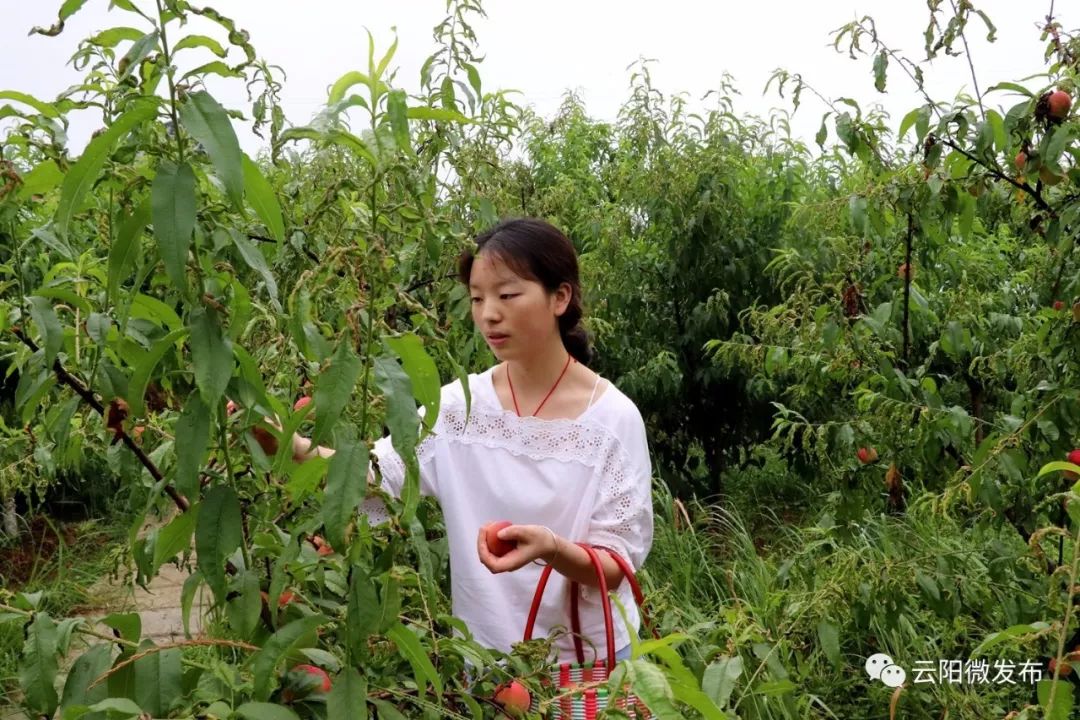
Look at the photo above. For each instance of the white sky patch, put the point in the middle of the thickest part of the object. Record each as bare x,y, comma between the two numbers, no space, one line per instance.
545,49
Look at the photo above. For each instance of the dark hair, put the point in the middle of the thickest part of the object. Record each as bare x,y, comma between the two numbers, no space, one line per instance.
537,250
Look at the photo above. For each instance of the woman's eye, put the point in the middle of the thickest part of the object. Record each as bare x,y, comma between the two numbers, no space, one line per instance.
475,300
507,296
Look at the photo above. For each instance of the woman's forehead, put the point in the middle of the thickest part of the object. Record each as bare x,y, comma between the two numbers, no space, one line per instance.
490,269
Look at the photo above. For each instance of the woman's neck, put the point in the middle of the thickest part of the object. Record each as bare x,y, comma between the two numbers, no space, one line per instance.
536,374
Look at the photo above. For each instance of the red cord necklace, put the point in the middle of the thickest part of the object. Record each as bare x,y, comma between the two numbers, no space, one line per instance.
569,358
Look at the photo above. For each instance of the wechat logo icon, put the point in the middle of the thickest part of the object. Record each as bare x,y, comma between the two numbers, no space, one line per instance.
880,666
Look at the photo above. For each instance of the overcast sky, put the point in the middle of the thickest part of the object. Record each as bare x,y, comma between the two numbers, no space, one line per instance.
546,48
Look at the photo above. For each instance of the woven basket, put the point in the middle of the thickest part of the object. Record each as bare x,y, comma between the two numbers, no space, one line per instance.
587,702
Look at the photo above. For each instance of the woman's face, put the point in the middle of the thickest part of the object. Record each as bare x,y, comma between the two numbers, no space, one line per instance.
518,317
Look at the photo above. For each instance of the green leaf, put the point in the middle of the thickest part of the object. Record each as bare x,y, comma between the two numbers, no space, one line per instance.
243,610
42,107
1016,88
211,353
117,707
348,697
881,62
907,122
997,124
192,438
265,711
422,372
187,596
218,532
261,196
1061,138
88,668
474,78
386,59
43,178
822,133
150,308
255,260
396,108
362,617
1014,631
386,710
114,36
719,679
1056,466
175,538
857,206
436,114
172,208
351,142
140,377
38,666
346,81
129,625
193,41
125,249
138,52
829,637
265,662
157,681
345,487
208,123
652,688
1056,697
52,335
80,178
334,388
404,422
409,647
213,68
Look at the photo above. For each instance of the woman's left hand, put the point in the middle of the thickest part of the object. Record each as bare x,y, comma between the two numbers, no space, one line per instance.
533,541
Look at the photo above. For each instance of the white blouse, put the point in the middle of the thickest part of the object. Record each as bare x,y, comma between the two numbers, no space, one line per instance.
588,479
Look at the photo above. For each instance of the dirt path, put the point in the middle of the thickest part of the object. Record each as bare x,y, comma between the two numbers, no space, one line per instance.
158,607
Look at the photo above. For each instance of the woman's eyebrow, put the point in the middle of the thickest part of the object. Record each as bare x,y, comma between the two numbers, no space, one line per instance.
500,283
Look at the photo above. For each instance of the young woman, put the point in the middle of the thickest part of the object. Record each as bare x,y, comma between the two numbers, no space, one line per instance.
548,445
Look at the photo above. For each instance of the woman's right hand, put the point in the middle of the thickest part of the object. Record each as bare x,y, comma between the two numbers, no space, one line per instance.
268,442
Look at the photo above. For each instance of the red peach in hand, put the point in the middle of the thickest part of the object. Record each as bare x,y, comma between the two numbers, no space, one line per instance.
302,403
496,545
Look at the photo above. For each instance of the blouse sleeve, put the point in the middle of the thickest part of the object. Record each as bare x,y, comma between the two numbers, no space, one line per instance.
392,468
623,516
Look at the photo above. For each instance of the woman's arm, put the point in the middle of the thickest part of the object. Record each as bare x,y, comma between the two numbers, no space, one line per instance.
540,542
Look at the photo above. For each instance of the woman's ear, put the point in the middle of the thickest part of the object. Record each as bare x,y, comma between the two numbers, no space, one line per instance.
562,297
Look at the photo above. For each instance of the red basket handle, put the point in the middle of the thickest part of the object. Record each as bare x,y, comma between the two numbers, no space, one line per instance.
609,628
575,622
635,588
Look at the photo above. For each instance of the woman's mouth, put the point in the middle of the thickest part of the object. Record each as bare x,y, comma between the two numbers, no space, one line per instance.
497,338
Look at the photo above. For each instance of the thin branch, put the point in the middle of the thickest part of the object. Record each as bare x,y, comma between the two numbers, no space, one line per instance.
971,64
88,396
1002,176
201,642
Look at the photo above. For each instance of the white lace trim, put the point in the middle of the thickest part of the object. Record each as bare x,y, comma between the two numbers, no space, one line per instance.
536,438
620,498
